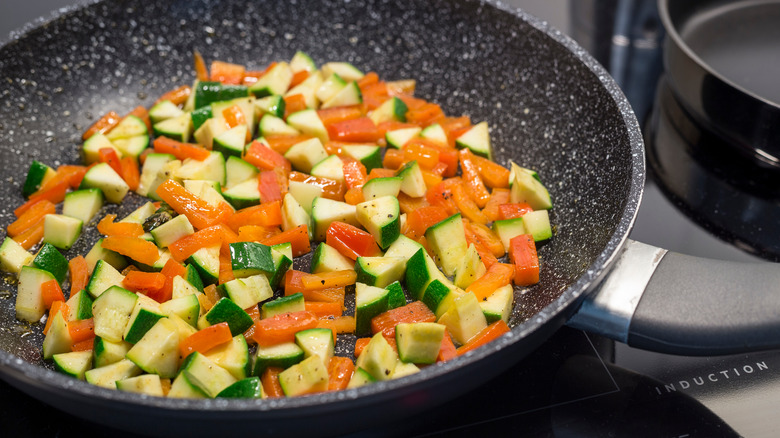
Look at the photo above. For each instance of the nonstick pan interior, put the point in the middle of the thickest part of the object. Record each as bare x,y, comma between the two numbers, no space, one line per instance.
550,106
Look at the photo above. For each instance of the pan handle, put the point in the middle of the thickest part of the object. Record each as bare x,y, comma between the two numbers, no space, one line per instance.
673,303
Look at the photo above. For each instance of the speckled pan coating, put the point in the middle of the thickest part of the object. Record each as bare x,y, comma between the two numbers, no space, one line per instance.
550,105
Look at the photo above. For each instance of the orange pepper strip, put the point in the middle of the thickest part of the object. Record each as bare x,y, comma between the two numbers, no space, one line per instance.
322,309
108,227
421,219
225,268
81,330
511,211
234,116
79,273
337,114
201,72
57,306
103,124
145,282
298,238
165,145
268,215
85,345
170,271
522,254
188,245
488,238
256,233
298,77
51,292
497,275
177,96
136,248
497,198
281,143
32,216
354,196
329,279
487,334
360,345
270,381
54,195
447,350
412,312
474,185
493,174
199,212
130,172
31,236
338,324
265,158
227,73
331,189
282,328
409,204
340,371
204,340
293,104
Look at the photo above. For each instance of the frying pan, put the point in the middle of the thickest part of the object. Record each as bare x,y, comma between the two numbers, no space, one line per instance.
551,106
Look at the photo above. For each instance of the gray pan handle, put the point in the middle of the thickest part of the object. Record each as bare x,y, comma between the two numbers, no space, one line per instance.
673,303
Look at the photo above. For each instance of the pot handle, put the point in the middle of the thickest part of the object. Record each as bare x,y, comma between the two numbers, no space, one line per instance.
678,304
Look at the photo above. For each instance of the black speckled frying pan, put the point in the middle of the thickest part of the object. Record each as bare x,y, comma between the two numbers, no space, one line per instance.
550,105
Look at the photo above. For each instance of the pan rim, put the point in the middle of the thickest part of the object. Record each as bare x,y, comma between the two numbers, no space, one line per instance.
48,380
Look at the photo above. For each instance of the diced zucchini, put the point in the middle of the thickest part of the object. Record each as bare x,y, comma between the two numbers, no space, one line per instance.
164,110
171,231
286,304
308,89
316,342
526,188
238,171
79,306
370,301
412,182
209,130
204,374
331,168
498,305
347,71
107,376
304,155
302,62
399,137
273,105
206,262
403,369
304,193
282,355
326,211
243,195
439,297
537,224
275,81
369,155
13,256
271,125
178,128
381,218
419,342
106,352
327,259
232,141
210,169
83,204
251,258
50,259
37,175
154,164
420,271
393,109
245,104
294,215
226,310
360,378
200,116
182,388
103,177
148,384
379,271
349,95
283,259
477,139
464,319
232,356
470,269
58,338
395,295
378,358
97,253
103,277
61,231
308,122
307,376
186,307
447,240
331,85
90,150
506,229
157,352
245,388
74,363
144,316
111,312
247,292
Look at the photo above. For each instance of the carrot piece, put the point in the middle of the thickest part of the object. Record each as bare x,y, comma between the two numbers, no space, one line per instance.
108,227
227,73
36,213
393,159
413,312
142,114
200,66
270,381
354,174
487,334
361,129
79,273
81,329
511,211
337,324
85,345
269,187
204,340
360,345
340,371
421,219
31,236
298,238
497,197
329,279
130,172
447,350
199,212
55,195
51,292
234,116
497,275
177,96
103,124
57,306
281,143
351,241
522,254
474,185
165,145
293,104
337,114
136,248
493,174
265,158
331,189
298,77
321,308
282,328
145,282
268,214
